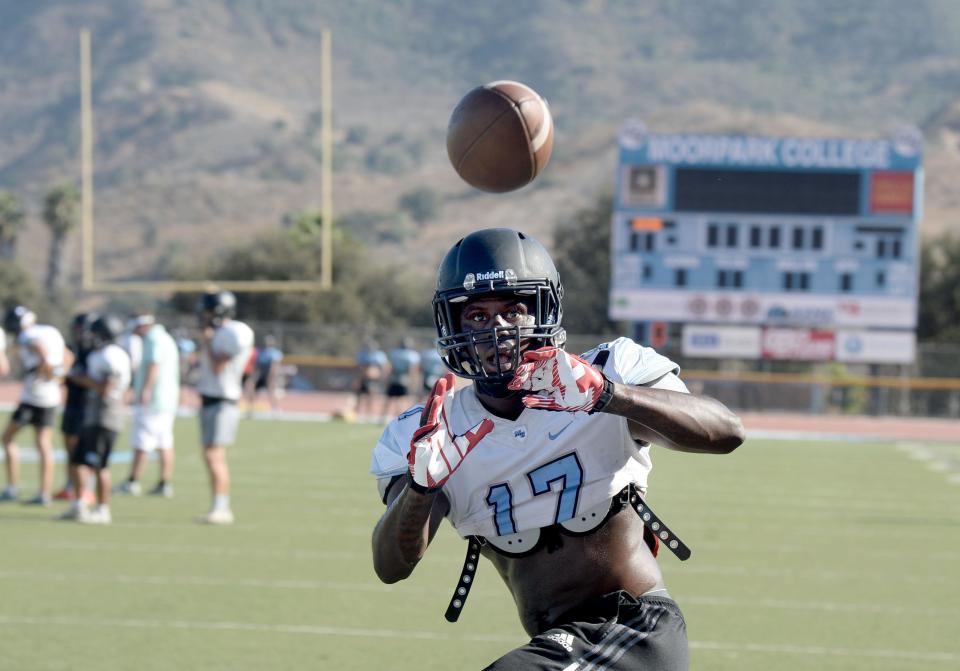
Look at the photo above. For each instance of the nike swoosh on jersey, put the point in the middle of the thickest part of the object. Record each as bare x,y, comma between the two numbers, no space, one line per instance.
554,436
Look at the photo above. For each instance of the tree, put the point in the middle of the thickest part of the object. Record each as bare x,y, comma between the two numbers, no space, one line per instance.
60,210
422,204
939,318
366,293
11,223
581,250
17,288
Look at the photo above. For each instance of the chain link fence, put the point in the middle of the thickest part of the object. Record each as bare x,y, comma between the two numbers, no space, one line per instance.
322,359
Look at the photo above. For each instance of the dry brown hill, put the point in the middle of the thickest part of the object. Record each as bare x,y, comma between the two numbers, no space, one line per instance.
207,113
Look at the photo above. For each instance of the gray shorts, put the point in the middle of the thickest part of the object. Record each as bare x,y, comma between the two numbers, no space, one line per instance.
218,422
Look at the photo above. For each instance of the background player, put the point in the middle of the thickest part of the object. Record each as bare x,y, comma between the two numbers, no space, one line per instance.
371,369
156,397
560,455
107,378
266,375
44,356
402,378
225,348
71,422
431,370
4,361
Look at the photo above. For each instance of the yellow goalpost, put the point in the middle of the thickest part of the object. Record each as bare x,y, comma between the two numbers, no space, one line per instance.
89,281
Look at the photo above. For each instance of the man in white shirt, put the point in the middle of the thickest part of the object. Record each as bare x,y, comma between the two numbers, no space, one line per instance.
226,345
4,361
156,396
44,356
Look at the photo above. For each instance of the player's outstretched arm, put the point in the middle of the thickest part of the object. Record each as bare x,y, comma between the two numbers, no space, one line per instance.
677,420
561,381
414,512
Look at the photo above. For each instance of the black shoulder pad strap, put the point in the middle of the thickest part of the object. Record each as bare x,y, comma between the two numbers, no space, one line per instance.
601,359
467,575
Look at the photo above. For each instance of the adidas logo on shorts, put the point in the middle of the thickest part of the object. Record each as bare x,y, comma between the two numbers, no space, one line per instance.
565,640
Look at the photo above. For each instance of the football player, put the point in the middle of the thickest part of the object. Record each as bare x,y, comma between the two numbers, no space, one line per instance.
44,356
81,344
106,379
225,346
542,464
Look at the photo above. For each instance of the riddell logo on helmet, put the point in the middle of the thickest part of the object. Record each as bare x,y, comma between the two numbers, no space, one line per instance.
470,279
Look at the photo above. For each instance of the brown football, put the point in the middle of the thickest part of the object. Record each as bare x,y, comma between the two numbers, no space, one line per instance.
500,136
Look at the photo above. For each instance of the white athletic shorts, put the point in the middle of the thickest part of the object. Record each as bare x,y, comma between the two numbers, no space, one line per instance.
152,430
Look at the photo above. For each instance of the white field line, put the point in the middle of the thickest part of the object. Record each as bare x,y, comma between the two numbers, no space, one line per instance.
948,578
303,629
740,533
809,650
188,550
938,458
201,581
895,610
813,436
322,630
708,569
736,543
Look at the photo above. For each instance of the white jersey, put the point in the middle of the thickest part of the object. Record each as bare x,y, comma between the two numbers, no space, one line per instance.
38,390
233,339
544,467
132,344
110,364
3,340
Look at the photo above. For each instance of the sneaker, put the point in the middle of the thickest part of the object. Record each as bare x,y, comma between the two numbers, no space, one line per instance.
217,516
40,499
65,494
9,494
97,515
71,513
165,490
128,487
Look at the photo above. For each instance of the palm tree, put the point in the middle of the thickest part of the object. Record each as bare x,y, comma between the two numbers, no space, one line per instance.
11,221
60,210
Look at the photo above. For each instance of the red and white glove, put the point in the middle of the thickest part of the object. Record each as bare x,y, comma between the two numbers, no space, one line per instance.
435,452
560,381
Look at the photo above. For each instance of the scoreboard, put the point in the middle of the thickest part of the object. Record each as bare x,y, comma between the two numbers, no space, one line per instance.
774,232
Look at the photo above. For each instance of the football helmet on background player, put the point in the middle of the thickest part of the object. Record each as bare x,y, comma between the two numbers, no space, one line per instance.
18,319
214,306
106,329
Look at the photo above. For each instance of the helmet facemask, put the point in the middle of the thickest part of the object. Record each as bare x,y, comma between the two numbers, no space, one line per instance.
461,348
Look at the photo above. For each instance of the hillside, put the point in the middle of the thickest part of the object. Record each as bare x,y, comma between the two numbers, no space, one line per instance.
206,114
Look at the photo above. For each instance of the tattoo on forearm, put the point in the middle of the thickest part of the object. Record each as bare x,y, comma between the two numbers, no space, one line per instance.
412,527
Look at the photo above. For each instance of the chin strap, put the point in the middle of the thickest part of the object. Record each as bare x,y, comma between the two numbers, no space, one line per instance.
496,389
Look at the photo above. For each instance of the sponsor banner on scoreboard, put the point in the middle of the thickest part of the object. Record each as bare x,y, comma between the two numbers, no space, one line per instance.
771,309
876,346
736,342
798,344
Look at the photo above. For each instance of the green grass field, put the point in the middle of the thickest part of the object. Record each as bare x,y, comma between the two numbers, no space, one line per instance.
805,556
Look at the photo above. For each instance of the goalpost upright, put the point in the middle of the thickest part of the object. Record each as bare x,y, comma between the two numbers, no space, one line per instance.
88,280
